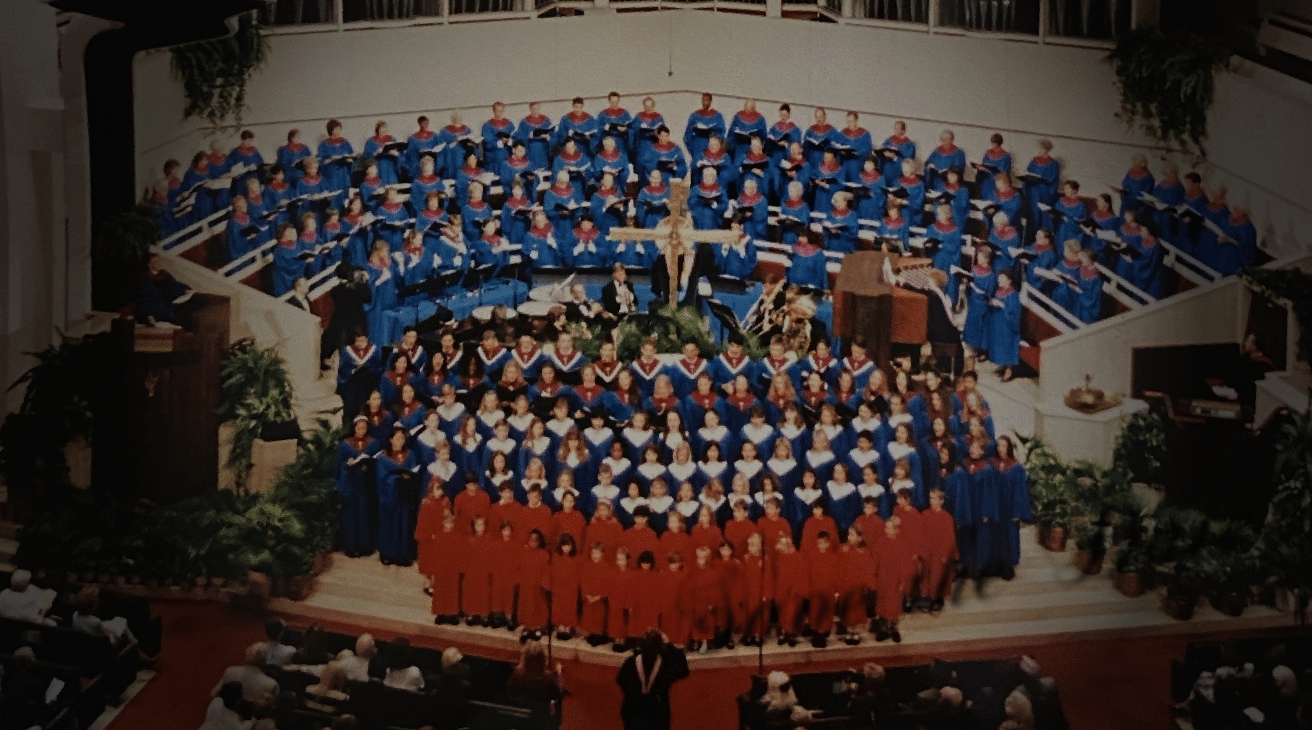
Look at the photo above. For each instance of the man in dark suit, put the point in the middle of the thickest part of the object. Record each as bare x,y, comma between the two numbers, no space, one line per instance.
349,298
617,297
300,296
580,308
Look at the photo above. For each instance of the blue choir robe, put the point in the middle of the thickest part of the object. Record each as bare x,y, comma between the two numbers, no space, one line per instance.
948,254
914,187
702,123
357,374
243,155
449,419
288,264
414,265
1131,234
392,221
755,166
871,198
463,177
822,463
379,423
290,154
591,399
1043,190
895,452
645,373
905,150
853,147
1145,272
202,200
957,501
840,228
540,246
794,217
789,170
742,128
1073,212
755,213
725,170
496,250
308,185
217,166
372,192
788,471
642,135
815,140
1045,257
1172,194
738,259
458,142
582,127
857,459
156,295
239,242
763,437
530,363
618,123
844,503
724,369
1102,221
620,408
667,158
411,416
982,486
590,249
390,384
451,252
1013,494
942,159
1010,202
766,368
1189,234
1232,256
521,169
721,436
563,207
567,366
1005,239
826,180
809,266
707,204
387,161
473,214
515,220
608,209
779,139
896,228
468,456
975,332
1134,184
336,161
382,283
396,508
579,167
536,131
957,197
861,370
357,494
417,356
683,376
278,195
497,135
416,144
653,205
1088,300
1003,323
800,503
995,160
616,163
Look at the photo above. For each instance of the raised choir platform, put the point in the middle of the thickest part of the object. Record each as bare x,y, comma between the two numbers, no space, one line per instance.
1048,601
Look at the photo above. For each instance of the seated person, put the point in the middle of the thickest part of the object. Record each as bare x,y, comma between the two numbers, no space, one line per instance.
163,298
23,602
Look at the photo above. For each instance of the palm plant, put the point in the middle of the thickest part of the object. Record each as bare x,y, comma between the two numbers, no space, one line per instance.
255,391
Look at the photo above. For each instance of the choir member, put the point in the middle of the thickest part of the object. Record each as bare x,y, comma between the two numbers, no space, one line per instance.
949,236
894,230
1136,183
827,179
1003,324
947,156
1169,192
563,203
809,265
375,150
534,579
245,233
840,224
701,601
423,141
574,160
703,123
643,136
397,499
899,148
1238,247
565,574
982,284
611,158
579,126
791,588
476,583
1013,504
1141,263
457,140
895,569
444,554
497,133
1088,297
161,297
337,158
938,550
244,155
666,157
1043,173
357,493
536,131
996,160
707,202
792,167
608,204
290,156
595,580
540,242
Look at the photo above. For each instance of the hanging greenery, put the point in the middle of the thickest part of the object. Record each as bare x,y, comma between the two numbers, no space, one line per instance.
1291,285
214,73
255,391
1166,81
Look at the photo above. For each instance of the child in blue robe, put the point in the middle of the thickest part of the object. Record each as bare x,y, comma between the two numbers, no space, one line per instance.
702,123
536,131
353,485
374,149
337,160
359,366
1137,181
497,133
981,289
1003,323
946,156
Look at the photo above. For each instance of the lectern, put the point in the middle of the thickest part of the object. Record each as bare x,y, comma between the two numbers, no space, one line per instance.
866,303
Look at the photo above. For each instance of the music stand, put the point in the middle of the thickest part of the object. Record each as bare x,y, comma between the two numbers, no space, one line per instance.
476,277
724,315
444,281
517,271
729,284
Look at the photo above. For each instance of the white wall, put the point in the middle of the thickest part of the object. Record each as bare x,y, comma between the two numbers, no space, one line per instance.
1206,315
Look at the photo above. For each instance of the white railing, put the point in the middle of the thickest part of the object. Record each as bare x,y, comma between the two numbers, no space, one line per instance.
1188,266
1123,291
1049,311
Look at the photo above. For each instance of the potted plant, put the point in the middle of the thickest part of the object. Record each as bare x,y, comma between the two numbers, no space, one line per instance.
1141,447
1134,570
1050,497
1090,548
255,393
1184,584
1230,545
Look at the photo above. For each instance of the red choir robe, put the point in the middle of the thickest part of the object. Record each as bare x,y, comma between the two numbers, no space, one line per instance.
674,542
470,505
709,536
702,599
858,577
534,578
911,532
756,586
476,588
824,588
565,576
895,568
938,551
671,592
638,539
620,595
608,532
505,558
792,584
447,549
428,525
872,528
645,601
737,532
773,529
535,518
730,613
594,580
571,522
511,512
813,527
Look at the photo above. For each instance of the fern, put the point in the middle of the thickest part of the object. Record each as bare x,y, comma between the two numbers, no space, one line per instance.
214,73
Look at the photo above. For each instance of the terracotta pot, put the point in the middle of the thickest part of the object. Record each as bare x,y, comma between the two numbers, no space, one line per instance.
1180,608
1129,584
300,587
1052,538
217,581
322,562
258,584
1087,562
1230,603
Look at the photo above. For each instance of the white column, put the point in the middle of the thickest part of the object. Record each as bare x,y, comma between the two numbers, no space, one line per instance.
847,10
774,8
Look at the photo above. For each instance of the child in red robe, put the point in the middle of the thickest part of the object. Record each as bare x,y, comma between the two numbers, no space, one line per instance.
471,503
445,549
673,621
740,528
645,589
640,538
504,557
536,515
701,600
911,530
675,540
566,567
706,533
605,529
729,617
756,586
818,522
476,588
534,578
895,567
507,509
594,585
858,579
619,600
938,550
773,526
428,525
791,586
824,588
872,525
568,521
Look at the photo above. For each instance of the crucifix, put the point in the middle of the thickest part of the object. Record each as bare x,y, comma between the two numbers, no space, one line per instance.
675,237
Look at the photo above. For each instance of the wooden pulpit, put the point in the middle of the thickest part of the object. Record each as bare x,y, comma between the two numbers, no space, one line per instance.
867,304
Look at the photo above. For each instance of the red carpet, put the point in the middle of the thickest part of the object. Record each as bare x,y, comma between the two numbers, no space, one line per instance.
1105,684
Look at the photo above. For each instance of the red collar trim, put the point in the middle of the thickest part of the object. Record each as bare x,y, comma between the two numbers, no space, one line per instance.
578,117
453,129
423,135
908,181
558,190
426,179
311,179
541,232
944,226
854,133
663,146
749,117
279,185
588,235
392,206
612,113
707,113
649,116
499,122
827,166
820,128
375,181
752,199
